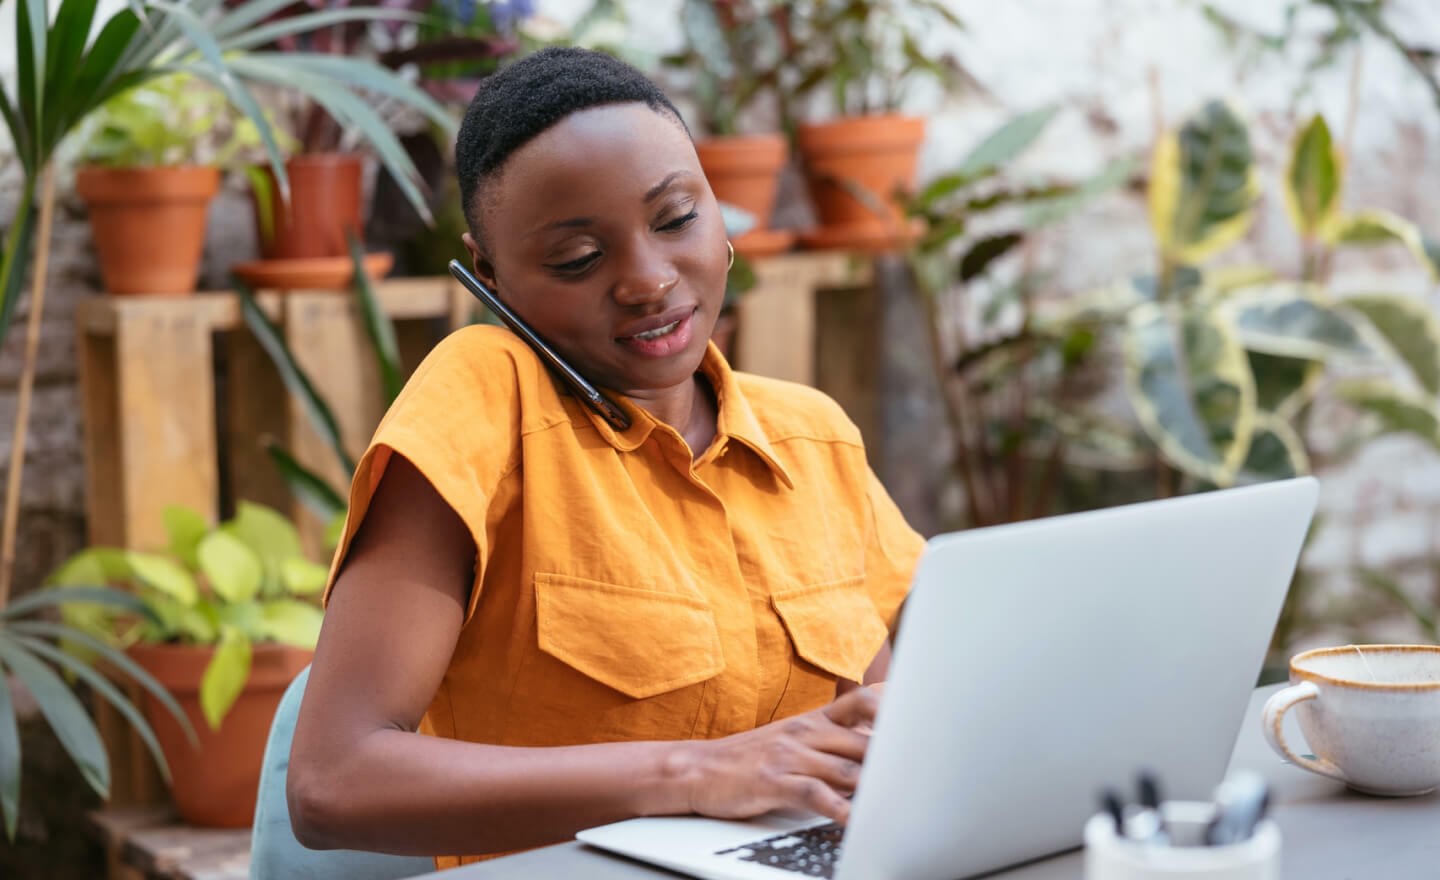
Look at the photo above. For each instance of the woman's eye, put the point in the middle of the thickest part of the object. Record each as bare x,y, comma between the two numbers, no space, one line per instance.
579,264
679,223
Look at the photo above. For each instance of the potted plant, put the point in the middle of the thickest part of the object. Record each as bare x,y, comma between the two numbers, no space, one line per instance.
732,51
867,53
230,620
150,167
303,239
63,76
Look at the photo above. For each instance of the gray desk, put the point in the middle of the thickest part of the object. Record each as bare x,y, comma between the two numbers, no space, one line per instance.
1329,832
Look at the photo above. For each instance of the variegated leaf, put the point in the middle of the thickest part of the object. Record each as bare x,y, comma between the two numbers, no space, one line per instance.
1293,320
1398,411
1374,226
1313,179
1276,451
1190,384
1410,327
1202,185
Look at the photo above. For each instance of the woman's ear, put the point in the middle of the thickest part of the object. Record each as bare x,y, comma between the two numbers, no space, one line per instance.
484,269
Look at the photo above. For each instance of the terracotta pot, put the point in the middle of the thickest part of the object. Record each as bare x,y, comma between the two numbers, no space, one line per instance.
149,224
325,206
215,784
873,154
745,172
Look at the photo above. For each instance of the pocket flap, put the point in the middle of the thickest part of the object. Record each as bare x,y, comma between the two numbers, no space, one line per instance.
639,642
834,626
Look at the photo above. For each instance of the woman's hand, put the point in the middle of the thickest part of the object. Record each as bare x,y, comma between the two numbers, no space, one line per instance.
809,762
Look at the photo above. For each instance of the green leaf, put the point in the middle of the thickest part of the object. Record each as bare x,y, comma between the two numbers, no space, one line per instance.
1373,226
306,23
1276,451
377,325
101,685
1313,180
1398,411
303,577
299,384
1283,384
115,658
1190,385
31,21
1047,212
164,575
225,677
335,530
186,528
291,622
16,260
1410,327
9,758
1292,320
68,35
306,485
1202,185
66,595
1005,143
986,251
233,569
66,716
266,531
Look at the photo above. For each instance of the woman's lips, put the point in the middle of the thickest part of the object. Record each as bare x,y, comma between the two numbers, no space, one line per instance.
667,339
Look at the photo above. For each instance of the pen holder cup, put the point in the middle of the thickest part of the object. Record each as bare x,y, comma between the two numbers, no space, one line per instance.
1111,857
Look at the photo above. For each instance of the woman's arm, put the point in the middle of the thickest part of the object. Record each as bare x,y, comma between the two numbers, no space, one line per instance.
362,778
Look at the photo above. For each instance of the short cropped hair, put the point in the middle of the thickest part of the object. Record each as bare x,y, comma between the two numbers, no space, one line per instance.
519,102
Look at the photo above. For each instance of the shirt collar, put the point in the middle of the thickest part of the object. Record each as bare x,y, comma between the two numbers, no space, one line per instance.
736,421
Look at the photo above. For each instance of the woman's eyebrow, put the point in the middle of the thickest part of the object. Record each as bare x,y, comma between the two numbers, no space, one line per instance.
654,192
568,223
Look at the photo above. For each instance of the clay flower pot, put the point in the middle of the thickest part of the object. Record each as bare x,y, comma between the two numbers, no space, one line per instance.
744,171
149,224
215,784
853,168
325,207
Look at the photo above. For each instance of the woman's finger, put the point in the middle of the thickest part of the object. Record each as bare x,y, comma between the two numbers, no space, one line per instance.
855,708
809,793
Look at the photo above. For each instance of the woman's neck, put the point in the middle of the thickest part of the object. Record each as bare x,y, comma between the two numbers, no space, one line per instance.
689,408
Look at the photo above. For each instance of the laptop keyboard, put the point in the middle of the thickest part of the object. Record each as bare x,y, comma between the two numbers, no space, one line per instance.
811,852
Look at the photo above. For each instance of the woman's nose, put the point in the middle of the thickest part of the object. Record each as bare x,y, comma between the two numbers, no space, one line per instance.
645,278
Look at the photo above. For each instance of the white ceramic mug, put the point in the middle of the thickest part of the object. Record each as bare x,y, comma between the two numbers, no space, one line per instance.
1111,857
1370,713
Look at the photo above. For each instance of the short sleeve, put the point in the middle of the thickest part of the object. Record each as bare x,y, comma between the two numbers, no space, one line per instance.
892,552
457,422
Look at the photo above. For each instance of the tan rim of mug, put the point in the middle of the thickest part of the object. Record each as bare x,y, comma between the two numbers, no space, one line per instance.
1308,675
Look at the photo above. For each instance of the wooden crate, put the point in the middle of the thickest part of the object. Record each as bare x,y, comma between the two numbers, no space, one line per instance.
164,426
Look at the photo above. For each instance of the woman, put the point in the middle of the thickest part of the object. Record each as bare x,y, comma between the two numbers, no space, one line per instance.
593,624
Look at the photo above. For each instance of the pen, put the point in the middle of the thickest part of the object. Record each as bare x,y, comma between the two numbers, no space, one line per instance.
1152,818
1110,800
1240,804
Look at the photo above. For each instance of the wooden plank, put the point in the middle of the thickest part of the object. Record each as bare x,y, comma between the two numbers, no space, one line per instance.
777,317
254,415
328,339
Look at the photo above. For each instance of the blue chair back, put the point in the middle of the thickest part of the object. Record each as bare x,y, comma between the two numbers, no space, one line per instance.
275,854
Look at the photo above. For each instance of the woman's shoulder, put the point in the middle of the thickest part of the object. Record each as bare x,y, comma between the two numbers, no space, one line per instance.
792,411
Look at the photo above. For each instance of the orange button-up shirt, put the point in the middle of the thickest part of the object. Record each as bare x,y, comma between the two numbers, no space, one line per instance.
625,590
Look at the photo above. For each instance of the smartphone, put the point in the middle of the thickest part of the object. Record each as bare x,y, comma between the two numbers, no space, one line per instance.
602,405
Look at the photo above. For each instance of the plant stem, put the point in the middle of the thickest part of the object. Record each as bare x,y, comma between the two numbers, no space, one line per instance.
27,381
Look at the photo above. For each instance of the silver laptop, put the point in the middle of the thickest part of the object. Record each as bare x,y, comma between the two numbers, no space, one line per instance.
1036,663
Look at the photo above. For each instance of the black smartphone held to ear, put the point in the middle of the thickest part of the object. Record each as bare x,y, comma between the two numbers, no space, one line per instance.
602,405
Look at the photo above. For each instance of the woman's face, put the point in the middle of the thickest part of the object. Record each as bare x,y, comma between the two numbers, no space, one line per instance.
602,233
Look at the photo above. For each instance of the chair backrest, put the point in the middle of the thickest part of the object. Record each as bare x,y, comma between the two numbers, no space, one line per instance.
274,851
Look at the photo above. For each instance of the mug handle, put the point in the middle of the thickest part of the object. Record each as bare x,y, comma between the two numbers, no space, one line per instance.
1279,703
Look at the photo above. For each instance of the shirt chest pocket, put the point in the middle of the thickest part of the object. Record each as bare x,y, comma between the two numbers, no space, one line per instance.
639,642
832,625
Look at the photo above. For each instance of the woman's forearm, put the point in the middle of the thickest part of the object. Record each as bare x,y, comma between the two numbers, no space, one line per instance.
407,793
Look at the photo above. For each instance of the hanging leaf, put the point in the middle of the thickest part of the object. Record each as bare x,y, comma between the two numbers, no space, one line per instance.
1283,384
1292,320
1312,181
1374,226
232,568
1397,411
1410,327
64,713
1276,451
225,677
1202,185
1190,385
9,759
309,487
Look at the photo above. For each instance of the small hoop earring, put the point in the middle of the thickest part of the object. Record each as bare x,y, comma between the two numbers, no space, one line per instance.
731,264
